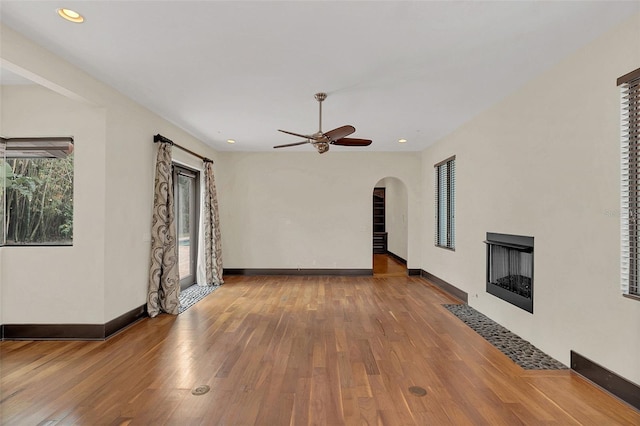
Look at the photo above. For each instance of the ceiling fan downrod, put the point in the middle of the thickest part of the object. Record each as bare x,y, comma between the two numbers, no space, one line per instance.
320,97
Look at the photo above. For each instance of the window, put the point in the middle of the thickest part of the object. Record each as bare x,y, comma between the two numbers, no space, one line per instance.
37,191
445,190
630,167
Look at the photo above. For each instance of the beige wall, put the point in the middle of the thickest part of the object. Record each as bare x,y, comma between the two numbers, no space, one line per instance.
396,217
106,277
305,210
130,167
544,162
59,284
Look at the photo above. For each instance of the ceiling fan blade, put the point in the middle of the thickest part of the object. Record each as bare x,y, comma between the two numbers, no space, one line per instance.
339,133
352,142
291,144
296,134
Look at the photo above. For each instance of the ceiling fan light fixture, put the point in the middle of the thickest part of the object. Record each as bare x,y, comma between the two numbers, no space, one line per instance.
322,147
70,15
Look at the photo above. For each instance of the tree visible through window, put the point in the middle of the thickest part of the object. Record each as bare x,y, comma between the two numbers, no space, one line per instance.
445,203
630,166
38,193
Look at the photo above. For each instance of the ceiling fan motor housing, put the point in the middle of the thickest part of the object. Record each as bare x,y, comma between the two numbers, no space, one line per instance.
322,147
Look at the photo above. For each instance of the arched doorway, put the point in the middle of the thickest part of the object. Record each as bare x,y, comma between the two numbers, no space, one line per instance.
390,227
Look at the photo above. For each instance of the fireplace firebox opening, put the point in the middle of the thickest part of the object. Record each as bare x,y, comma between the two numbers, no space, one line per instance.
510,268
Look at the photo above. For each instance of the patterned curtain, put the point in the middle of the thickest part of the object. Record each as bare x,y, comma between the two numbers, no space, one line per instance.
212,244
164,279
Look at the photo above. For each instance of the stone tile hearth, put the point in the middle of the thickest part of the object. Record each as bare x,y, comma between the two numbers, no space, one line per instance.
519,350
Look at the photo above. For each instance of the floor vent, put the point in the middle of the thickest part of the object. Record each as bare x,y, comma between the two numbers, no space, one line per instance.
200,390
417,390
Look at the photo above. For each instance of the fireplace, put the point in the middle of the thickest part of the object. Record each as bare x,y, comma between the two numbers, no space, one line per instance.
510,268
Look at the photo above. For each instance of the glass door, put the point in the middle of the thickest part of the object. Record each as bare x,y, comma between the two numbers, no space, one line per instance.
185,184
4,173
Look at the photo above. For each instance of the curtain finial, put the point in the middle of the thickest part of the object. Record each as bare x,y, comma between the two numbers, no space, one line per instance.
159,138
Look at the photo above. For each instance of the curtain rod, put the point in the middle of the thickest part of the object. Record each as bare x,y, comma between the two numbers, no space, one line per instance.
159,138
39,139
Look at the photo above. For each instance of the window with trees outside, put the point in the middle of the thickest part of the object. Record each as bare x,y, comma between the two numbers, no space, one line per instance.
445,190
36,191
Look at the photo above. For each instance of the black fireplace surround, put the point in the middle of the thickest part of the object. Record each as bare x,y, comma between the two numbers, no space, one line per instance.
510,268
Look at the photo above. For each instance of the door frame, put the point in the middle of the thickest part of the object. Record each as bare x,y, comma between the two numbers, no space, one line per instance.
194,219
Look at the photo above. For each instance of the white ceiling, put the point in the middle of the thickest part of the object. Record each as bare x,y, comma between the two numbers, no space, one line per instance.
242,70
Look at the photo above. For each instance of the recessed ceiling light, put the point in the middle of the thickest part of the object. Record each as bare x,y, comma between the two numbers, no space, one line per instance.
231,141
402,140
70,15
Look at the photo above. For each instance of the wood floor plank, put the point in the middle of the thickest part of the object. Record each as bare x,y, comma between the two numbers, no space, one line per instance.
295,351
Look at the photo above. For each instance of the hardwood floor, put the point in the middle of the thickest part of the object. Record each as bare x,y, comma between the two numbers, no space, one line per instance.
385,265
295,351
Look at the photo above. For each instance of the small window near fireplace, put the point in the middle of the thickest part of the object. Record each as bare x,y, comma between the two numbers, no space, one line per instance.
445,202
630,181
510,268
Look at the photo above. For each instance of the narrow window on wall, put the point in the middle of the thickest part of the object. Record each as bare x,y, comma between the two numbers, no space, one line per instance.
630,166
37,191
445,191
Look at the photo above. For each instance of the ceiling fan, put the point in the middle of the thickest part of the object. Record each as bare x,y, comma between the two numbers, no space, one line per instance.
322,140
